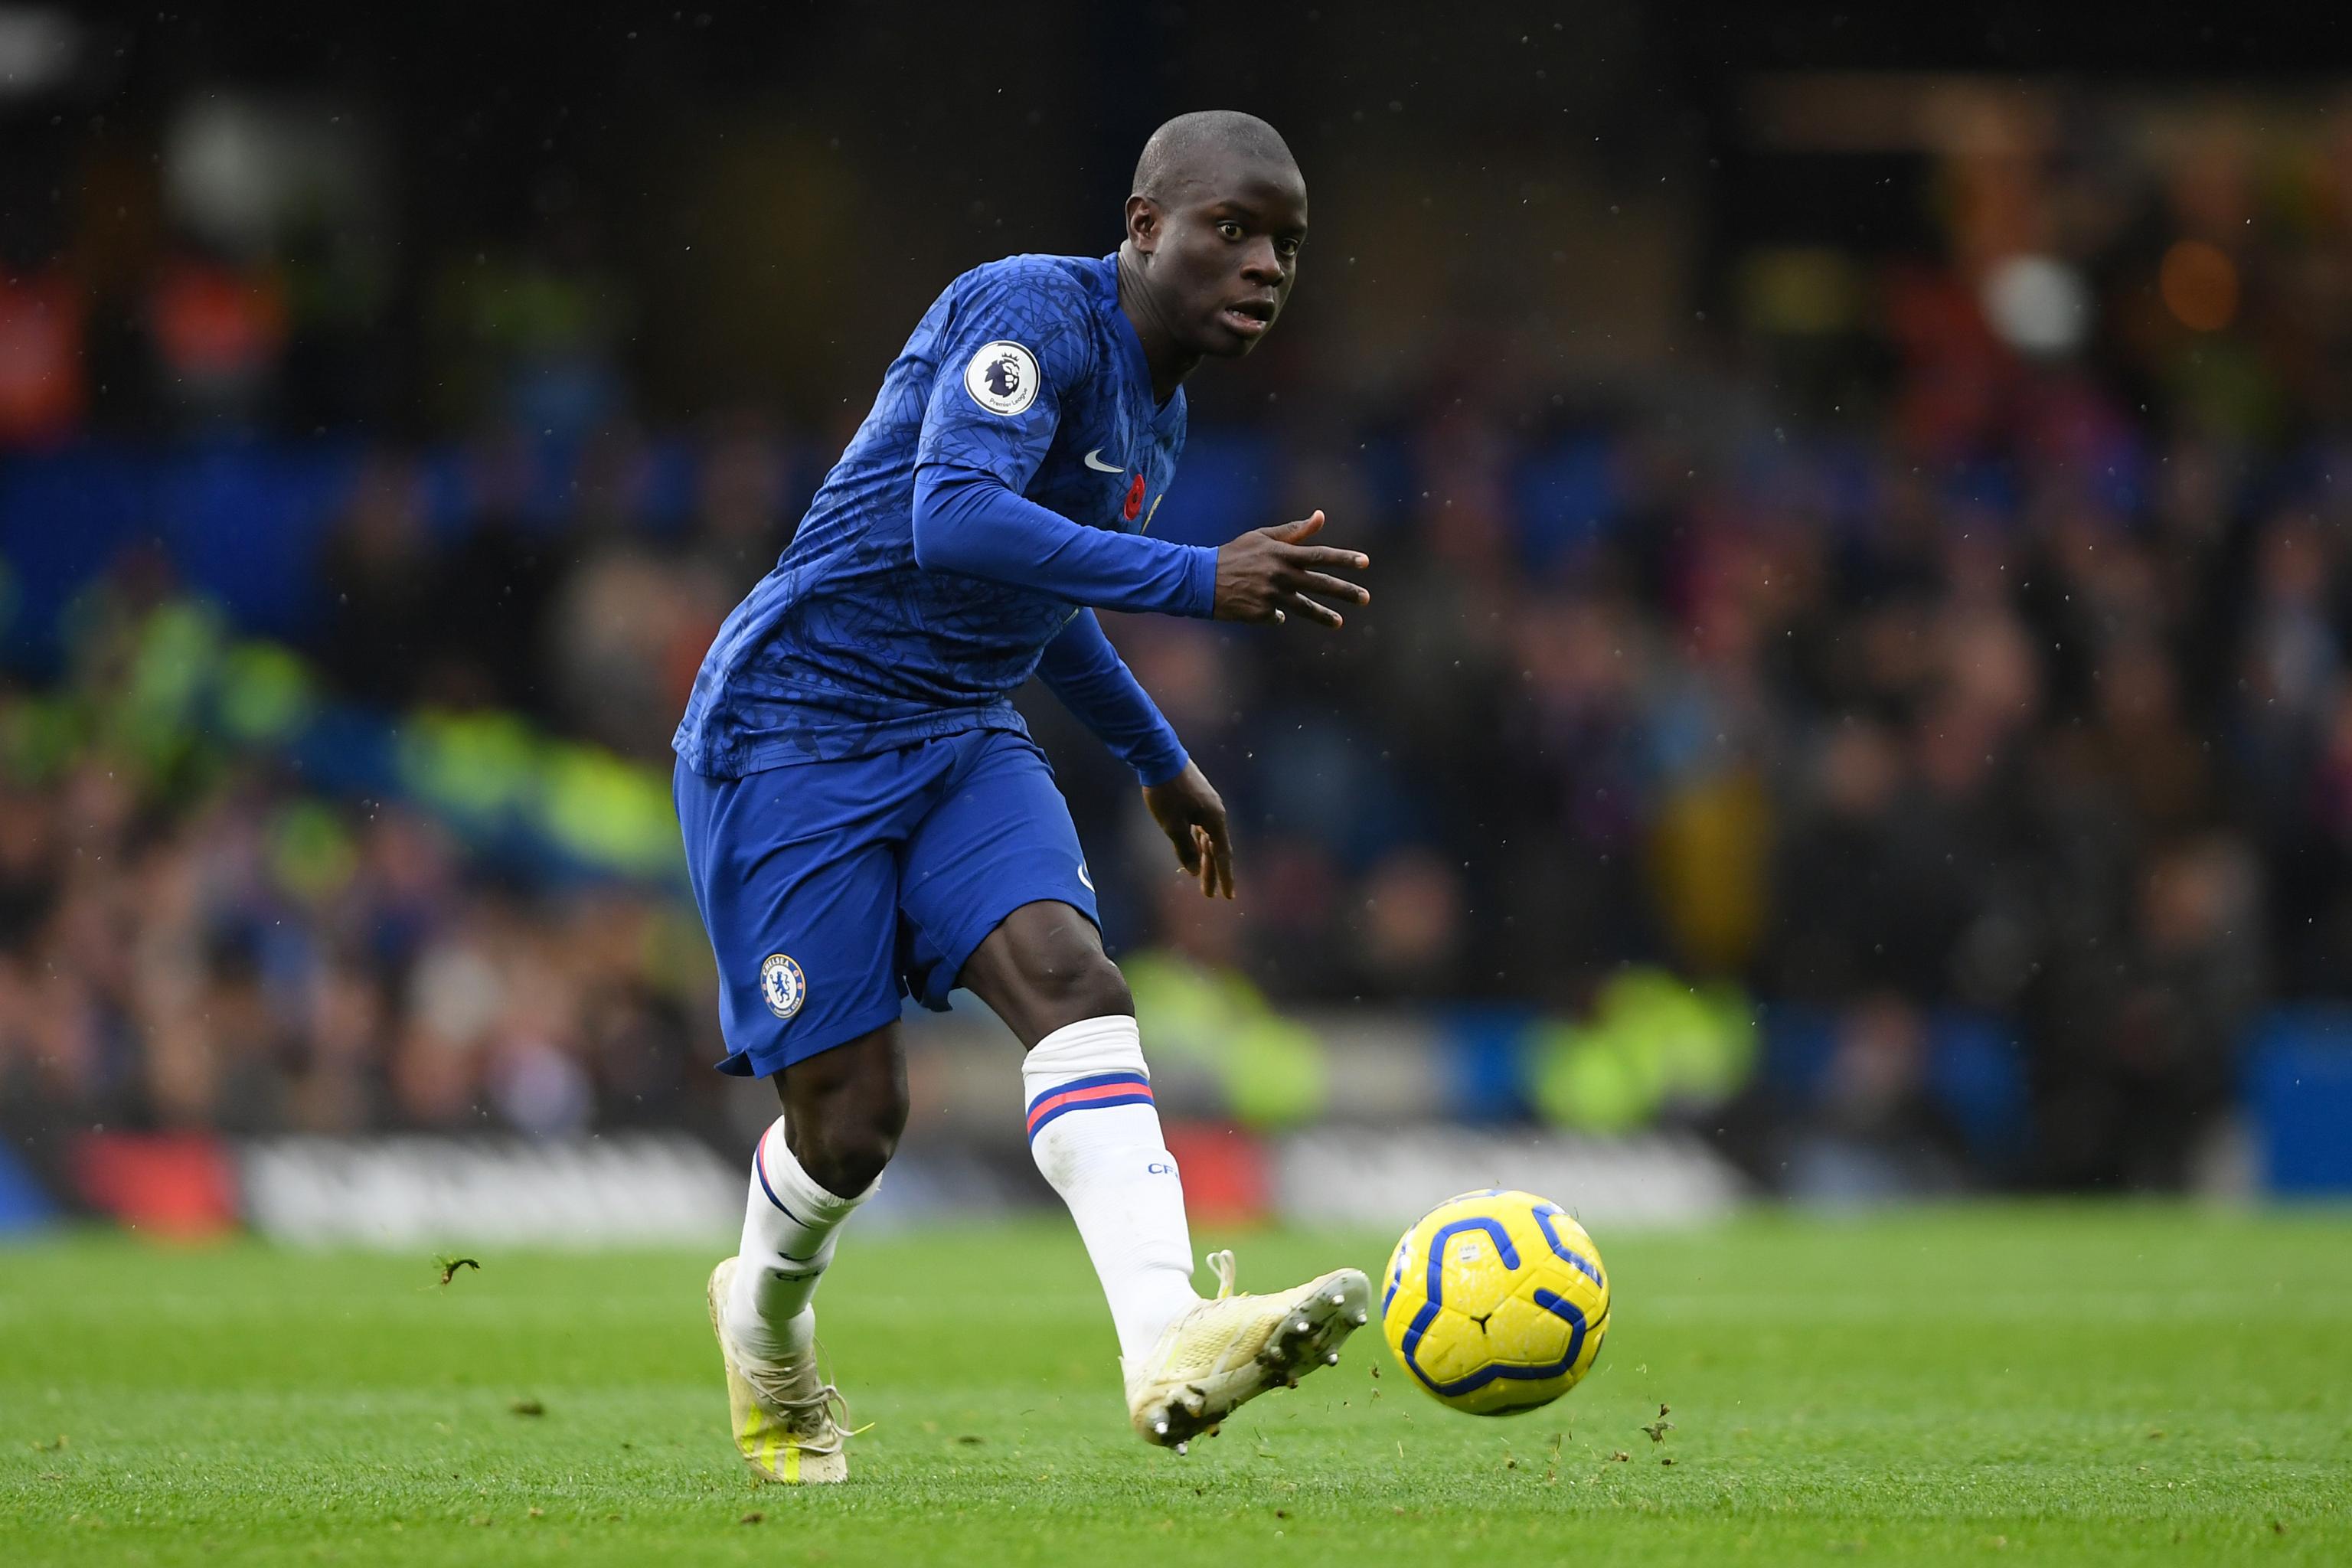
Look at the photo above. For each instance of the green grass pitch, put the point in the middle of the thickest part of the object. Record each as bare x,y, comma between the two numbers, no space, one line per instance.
2060,1384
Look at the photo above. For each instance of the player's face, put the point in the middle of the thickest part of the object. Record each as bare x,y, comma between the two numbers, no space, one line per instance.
1227,256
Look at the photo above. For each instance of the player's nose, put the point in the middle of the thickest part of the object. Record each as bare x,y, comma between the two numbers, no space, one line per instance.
1260,261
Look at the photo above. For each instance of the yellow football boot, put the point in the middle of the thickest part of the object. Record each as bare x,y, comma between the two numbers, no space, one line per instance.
786,1420
1225,1352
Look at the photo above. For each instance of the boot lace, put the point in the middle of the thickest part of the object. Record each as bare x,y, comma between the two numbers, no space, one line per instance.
817,1418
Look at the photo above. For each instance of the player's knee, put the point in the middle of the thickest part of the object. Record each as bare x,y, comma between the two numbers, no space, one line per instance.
1101,991
847,1150
846,1161
1074,981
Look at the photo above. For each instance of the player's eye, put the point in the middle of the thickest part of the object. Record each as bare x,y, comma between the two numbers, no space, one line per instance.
1285,248
1231,230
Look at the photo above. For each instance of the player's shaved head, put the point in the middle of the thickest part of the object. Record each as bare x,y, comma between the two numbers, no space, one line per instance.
1214,229
1194,148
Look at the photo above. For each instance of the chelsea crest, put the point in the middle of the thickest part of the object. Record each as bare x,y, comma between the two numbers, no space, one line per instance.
782,984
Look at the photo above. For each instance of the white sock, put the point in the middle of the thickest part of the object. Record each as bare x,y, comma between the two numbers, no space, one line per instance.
788,1226
1095,1133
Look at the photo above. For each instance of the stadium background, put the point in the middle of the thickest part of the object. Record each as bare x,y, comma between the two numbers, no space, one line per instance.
1856,703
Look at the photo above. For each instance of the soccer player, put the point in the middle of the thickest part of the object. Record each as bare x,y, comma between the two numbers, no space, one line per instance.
864,812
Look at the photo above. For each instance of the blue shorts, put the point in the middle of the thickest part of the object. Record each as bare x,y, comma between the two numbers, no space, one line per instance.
829,889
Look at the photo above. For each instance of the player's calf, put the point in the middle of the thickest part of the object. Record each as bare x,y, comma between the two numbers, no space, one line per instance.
810,1170
1093,1128
1095,1134
844,1109
789,1220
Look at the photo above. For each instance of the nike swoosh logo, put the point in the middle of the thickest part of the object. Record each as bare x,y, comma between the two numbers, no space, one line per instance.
1094,461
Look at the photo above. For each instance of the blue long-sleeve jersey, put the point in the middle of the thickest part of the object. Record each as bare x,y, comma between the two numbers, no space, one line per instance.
1000,485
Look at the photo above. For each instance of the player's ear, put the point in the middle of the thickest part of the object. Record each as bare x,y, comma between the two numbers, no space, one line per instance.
1143,222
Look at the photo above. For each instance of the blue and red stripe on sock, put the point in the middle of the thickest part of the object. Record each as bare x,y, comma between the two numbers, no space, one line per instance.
760,1169
1096,1093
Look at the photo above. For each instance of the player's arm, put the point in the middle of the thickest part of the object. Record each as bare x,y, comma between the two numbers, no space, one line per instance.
970,522
973,524
1082,669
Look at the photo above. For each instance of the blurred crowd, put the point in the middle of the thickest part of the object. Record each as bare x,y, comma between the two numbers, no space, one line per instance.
192,936
251,962
1969,640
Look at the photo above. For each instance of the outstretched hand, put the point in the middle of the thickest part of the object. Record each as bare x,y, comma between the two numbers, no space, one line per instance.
1265,576
1193,816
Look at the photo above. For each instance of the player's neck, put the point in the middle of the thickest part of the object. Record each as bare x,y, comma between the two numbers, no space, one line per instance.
1168,364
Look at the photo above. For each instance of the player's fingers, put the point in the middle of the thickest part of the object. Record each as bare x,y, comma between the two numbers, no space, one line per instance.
1333,587
1221,842
1208,862
1321,615
1187,853
1323,557
1304,528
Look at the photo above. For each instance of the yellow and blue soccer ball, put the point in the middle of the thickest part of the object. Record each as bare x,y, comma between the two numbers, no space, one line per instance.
1496,1303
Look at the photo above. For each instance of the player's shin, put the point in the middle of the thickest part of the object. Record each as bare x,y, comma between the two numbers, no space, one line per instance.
1095,1134
788,1222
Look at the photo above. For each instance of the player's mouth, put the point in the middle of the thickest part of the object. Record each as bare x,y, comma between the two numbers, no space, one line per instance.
1249,318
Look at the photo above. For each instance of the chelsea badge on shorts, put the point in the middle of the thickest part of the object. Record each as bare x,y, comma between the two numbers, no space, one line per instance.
783,984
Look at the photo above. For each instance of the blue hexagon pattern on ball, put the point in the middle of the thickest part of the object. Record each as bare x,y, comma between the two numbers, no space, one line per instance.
1496,1303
